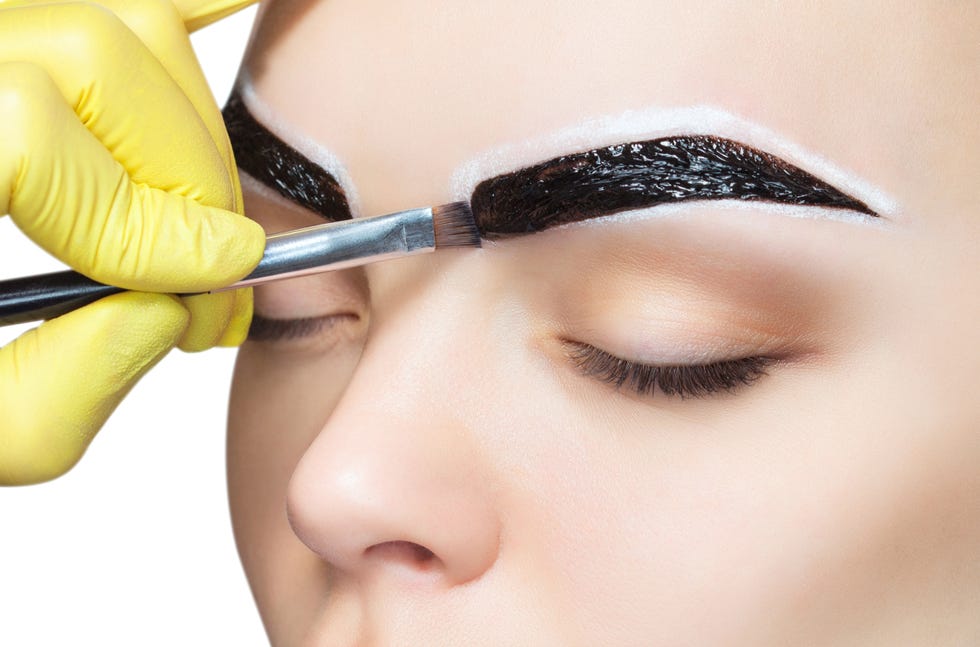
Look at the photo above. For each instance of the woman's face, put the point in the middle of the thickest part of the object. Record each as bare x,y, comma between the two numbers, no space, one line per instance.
478,447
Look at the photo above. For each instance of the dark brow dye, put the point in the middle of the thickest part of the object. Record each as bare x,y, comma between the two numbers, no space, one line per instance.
281,167
643,174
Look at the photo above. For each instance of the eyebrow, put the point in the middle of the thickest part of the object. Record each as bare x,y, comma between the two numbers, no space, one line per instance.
635,175
279,166
566,189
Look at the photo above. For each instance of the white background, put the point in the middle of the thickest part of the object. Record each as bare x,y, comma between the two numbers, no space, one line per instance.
134,546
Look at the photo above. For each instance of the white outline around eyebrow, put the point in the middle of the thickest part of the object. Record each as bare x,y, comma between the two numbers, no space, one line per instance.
309,147
653,123
629,126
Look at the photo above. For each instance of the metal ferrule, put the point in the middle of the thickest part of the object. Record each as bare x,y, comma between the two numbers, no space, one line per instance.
337,245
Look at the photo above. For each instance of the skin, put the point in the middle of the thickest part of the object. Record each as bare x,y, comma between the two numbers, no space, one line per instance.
430,468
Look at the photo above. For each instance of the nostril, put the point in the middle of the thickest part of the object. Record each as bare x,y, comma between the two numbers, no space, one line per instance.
404,552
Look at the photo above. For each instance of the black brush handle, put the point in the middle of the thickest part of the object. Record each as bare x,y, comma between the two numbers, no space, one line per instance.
46,296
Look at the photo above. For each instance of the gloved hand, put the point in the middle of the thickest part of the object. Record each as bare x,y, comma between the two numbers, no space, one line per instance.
113,158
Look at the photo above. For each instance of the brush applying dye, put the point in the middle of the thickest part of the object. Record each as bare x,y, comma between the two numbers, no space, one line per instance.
311,250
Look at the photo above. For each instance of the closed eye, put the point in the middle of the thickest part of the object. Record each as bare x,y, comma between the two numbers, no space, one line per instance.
681,380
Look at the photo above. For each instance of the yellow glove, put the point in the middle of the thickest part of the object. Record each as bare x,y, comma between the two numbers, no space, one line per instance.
113,158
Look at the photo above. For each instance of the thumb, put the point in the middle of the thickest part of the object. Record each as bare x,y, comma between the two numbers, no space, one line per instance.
61,381
201,13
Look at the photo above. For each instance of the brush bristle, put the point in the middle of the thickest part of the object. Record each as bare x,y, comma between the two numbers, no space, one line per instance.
455,226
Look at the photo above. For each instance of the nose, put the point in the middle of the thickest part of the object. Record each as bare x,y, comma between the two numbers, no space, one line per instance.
395,484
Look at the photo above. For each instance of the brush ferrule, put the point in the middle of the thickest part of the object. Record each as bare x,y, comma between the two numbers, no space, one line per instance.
348,243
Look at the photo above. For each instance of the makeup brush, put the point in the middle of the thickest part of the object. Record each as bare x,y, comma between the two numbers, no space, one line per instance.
311,250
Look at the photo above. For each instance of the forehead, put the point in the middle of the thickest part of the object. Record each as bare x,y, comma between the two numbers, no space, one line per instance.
405,92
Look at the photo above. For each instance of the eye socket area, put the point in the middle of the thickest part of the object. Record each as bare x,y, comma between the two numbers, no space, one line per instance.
309,313
673,308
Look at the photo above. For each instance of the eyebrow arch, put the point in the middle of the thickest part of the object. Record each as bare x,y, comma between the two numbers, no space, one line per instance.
279,166
626,176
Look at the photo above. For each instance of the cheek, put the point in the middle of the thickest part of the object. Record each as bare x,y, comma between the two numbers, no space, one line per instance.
797,509
638,522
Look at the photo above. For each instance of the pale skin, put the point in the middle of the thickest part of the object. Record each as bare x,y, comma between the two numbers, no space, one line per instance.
430,468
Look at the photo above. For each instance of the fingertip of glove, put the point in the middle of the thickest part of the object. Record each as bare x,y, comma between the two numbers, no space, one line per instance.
211,315
241,242
241,319
254,240
219,248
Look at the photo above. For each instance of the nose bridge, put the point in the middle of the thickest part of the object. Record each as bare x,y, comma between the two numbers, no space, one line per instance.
396,475
435,307
422,349
430,345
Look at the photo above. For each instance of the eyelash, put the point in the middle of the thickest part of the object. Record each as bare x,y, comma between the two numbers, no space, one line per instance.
266,329
683,380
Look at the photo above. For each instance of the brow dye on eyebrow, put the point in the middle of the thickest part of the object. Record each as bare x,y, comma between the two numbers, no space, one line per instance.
635,175
281,167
